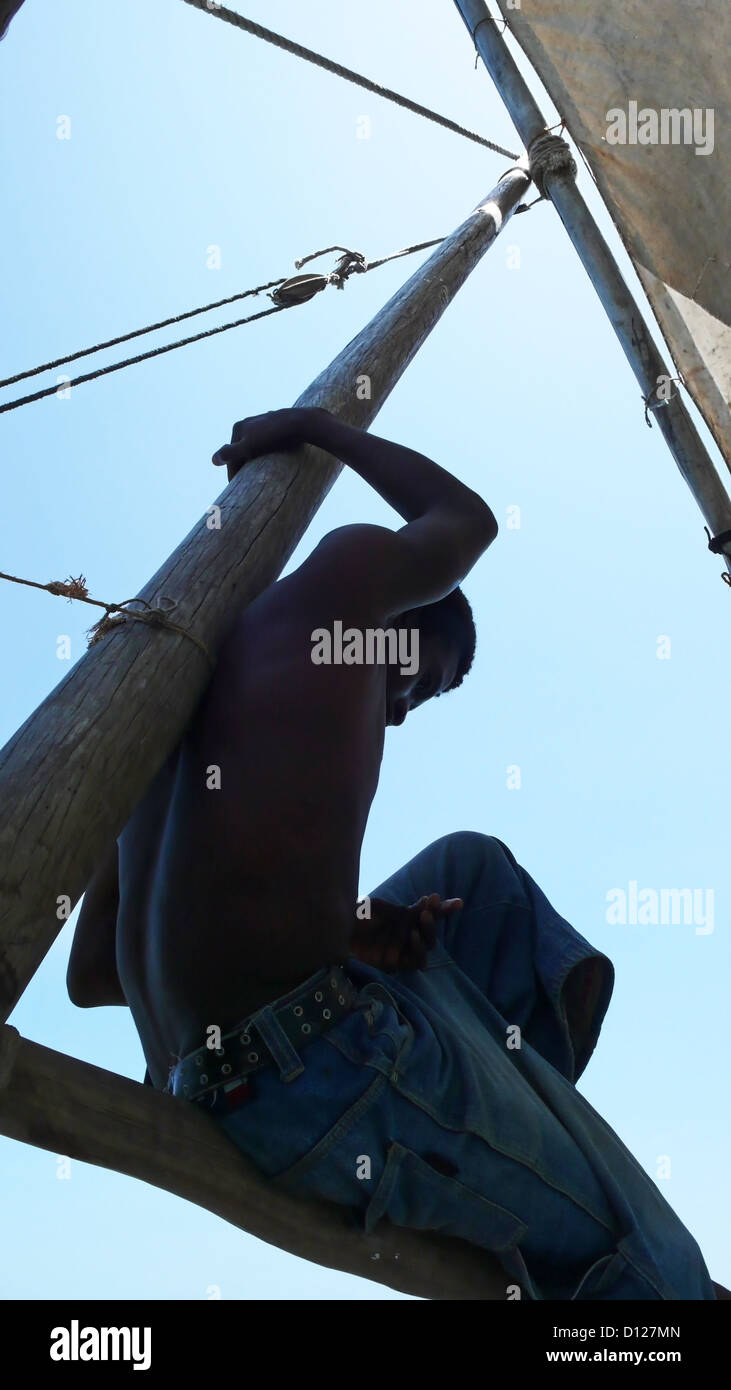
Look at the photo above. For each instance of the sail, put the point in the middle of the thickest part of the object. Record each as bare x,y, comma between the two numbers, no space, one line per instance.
643,88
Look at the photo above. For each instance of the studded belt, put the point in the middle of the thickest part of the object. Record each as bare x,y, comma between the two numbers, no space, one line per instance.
303,1017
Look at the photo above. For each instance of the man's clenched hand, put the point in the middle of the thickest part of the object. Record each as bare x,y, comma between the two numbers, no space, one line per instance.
399,938
274,432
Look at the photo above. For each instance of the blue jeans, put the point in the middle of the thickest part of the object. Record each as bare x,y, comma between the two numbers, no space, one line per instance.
446,1100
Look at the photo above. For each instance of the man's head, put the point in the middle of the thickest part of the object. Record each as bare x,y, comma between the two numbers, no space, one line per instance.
446,651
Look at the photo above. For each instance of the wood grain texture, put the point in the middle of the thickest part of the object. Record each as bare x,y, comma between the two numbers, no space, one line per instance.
73,773
69,1107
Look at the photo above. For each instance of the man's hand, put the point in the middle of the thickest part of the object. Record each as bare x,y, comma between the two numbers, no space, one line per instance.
275,432
397,937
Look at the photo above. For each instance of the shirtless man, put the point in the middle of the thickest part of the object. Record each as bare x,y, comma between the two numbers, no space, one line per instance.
228,898
233,888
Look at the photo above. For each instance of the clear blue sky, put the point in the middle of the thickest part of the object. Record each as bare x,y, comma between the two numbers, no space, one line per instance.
186,134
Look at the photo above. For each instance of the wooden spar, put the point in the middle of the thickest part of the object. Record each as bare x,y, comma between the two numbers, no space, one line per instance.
72,774
673,420
69,1107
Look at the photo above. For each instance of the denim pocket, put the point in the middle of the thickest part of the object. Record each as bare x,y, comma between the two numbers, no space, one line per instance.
612,1277
333,1179
414,1194
284,1122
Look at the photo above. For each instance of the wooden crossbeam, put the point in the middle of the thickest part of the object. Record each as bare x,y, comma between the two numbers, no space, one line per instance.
70,1107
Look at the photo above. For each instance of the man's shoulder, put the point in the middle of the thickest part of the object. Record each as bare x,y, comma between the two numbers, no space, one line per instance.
340,568
333,576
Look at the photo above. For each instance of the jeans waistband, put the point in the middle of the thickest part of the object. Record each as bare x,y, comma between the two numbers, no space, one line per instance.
270,1036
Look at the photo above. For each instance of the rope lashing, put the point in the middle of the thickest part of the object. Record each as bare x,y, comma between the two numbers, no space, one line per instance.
154,616
211,7
549,154
489,19
717,543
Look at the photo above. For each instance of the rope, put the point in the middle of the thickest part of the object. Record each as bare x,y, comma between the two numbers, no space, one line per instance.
407,251
549,154
288,293
300,288
76,589
718,543
546,154
259,32
136,333
489,19
130,361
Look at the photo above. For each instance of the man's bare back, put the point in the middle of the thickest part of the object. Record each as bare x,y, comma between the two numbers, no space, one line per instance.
238,871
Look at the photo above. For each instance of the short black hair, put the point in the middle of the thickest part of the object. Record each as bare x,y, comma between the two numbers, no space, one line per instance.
452,617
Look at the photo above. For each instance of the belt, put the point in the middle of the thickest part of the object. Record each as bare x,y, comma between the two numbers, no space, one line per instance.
302,1017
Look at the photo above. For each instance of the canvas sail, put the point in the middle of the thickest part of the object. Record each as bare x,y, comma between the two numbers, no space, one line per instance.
644,89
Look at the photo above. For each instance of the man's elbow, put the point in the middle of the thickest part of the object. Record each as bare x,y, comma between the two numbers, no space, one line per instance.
484,522
492,526
91,991
78,997
78,987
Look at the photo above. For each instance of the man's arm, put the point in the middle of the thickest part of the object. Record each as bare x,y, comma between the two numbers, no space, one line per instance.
448,525
91,978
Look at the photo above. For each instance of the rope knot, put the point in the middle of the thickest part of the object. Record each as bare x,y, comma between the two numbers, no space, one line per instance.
118,613
549,154
352,263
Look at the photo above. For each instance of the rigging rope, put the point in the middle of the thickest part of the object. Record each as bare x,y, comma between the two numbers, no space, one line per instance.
137,333
154,616
283,296
268,35
294,291
130,361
